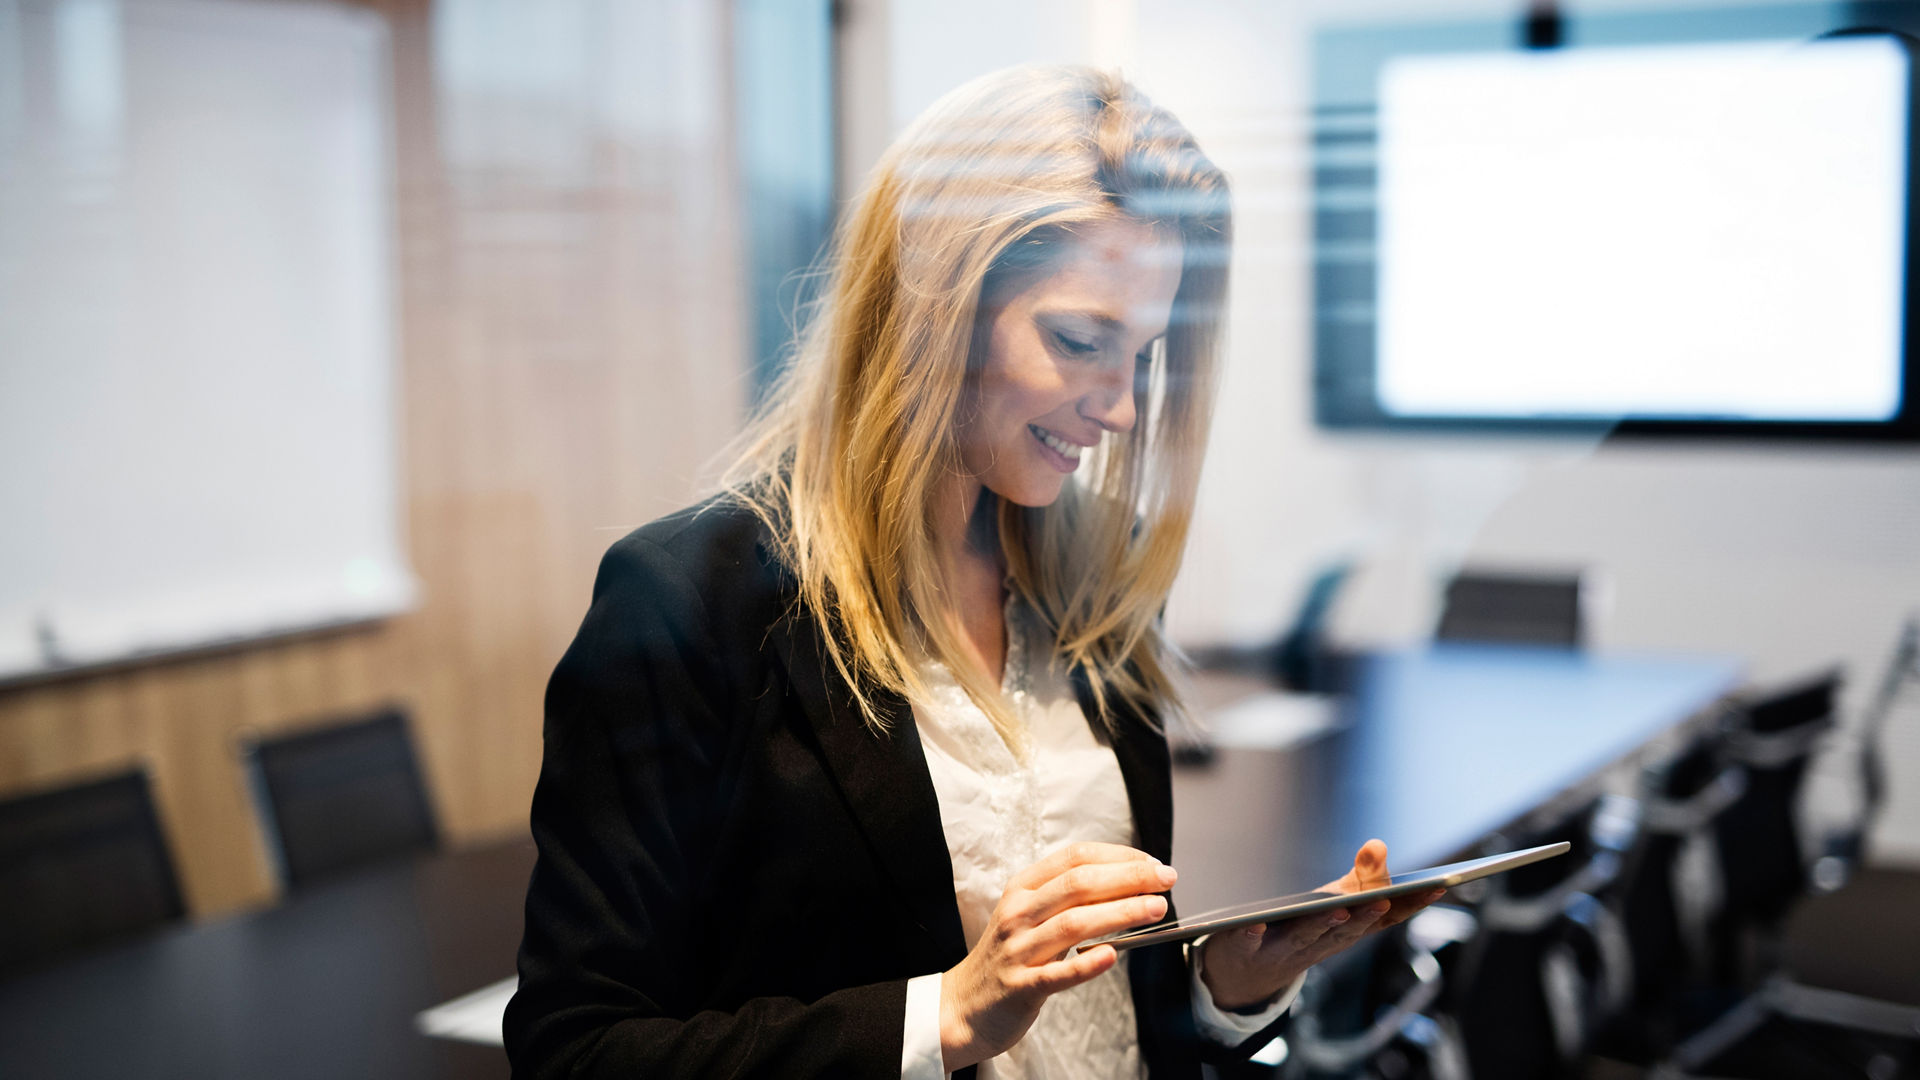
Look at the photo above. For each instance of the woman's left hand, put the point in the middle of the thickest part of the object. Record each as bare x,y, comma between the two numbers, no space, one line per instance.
1251,964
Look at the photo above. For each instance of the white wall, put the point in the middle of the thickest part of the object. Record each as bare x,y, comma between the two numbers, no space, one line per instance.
1792,558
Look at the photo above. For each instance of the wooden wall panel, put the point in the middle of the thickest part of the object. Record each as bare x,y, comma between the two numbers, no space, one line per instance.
571,361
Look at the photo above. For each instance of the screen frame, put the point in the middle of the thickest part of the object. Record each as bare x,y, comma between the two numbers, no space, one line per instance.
1348,61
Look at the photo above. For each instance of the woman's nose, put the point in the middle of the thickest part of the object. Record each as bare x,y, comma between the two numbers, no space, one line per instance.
1110,403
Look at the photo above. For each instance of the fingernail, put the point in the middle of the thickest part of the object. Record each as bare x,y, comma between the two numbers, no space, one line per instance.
1338,917
1168,875
1256,930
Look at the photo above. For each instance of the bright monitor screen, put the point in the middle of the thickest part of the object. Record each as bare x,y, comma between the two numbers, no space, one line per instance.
1680,232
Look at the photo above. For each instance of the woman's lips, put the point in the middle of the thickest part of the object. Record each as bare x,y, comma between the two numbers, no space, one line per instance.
1061,454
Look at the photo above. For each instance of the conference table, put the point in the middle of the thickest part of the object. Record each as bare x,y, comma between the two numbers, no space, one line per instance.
1437,751
1434,750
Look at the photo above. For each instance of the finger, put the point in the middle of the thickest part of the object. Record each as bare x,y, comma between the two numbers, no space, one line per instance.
1081,854
1315,926
1291,937
1415,901
1069,971
1348,925
1405,908
1369,867
1247,940
1356,919
1077,924
1090,883
1360,922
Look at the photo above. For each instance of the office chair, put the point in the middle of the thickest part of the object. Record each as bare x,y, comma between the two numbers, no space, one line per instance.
1668,897
339,797
1376,1018
1838,844
1781,1028
1764,866
1549,963
80,866
1304,660
1515,609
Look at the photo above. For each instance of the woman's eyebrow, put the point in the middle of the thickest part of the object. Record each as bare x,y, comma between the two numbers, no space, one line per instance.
1104,320
1107,323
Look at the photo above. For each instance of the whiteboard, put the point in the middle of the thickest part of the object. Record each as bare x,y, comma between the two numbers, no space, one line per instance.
198,407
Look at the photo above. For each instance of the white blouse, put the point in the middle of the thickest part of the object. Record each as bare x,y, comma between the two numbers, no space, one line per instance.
1002,815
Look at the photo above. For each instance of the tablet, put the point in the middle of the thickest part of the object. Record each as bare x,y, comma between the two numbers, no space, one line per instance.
1282,908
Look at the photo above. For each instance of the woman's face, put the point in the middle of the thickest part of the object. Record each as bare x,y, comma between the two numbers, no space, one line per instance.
1061,350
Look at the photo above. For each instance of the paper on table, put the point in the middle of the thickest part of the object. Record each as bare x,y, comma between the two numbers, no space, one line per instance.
1271,721
473,1018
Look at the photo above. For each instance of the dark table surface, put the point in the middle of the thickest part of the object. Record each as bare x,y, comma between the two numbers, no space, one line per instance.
1433,751
326,984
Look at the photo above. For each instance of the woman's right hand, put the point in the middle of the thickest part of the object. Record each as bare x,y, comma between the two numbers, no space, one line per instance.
1085,890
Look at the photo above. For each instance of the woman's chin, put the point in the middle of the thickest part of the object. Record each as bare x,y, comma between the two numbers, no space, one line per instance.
1033,493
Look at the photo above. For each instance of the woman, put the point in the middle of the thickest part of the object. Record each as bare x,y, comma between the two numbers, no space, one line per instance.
845,761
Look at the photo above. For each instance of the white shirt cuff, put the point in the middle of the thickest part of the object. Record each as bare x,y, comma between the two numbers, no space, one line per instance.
920,1056
1219,1025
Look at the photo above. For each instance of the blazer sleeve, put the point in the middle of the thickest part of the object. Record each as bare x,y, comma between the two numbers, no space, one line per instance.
631,789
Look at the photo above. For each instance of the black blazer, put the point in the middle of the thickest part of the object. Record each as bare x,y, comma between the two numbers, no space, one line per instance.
736,877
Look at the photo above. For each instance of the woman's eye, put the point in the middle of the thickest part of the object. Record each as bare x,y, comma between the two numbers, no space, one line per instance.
1076,346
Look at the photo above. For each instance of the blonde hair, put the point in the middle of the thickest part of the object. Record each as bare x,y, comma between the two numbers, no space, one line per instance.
845,460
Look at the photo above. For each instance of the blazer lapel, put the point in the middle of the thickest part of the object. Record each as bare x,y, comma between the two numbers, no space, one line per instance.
883,778
1144,766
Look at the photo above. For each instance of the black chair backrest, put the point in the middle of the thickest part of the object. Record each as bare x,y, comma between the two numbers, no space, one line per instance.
343,796
1302,659
1499,990
1519,609
1764,867
1901,677
80,866
1681,797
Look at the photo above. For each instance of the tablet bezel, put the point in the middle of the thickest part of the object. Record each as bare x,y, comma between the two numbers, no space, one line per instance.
1282,908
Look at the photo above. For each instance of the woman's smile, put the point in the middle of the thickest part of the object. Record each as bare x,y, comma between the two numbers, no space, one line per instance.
1063,455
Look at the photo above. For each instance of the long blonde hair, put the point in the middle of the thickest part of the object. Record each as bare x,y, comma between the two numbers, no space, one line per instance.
845,460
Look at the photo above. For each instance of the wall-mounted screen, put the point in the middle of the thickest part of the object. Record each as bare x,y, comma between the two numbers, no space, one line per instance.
1679,237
